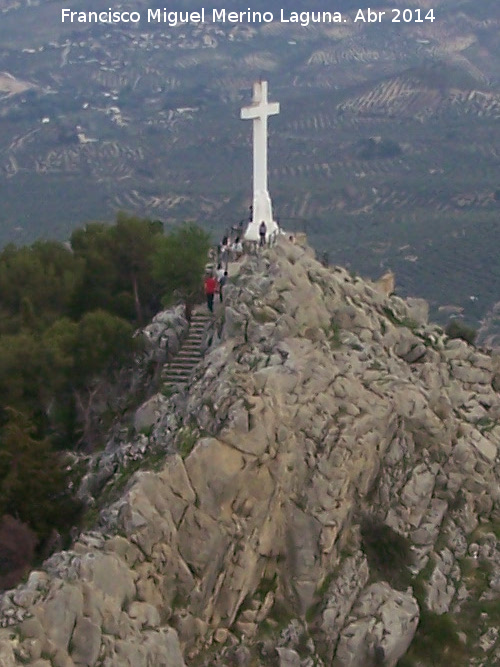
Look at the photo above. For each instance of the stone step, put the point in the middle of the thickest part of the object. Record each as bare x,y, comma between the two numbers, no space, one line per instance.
176,379
185,355
183,363
181,368
189,352
179,371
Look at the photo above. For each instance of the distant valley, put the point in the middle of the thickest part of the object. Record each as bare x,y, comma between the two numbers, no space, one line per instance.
386,150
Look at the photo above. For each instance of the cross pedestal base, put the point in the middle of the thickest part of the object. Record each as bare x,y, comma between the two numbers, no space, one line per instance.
262,211
252,233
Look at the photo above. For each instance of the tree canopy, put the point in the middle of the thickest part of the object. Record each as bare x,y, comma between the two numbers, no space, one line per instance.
117,267
179,263
68,313
34,486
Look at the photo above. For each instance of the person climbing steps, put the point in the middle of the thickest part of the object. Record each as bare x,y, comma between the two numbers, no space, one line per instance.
210,289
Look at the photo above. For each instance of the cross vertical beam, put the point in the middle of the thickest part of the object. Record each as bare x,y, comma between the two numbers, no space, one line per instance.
258,112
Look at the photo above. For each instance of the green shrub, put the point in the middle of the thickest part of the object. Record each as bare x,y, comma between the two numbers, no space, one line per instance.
436,643
457,329
407,322
333,334
34,483
388,553
186,440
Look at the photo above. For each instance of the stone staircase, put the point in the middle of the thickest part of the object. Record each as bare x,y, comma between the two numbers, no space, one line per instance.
178,371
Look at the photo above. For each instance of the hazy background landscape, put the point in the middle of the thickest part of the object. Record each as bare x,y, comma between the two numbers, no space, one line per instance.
386,150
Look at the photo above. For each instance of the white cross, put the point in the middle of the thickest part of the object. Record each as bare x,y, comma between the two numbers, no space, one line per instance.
259,111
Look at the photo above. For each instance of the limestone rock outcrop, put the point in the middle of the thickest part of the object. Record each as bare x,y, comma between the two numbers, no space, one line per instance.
326,491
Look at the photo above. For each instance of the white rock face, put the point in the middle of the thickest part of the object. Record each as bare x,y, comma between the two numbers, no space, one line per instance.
385,623
325,464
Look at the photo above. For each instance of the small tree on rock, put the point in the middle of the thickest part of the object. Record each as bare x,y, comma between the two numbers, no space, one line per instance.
179,264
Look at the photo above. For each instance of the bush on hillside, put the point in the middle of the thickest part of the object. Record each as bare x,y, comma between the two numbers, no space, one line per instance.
457,329
17,549
388,552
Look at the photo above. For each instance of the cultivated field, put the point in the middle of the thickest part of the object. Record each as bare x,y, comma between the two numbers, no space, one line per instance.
387,148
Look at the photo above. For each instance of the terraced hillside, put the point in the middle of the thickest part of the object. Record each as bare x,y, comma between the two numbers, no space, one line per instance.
387,148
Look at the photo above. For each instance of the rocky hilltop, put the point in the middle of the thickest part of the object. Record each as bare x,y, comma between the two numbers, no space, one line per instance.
326,492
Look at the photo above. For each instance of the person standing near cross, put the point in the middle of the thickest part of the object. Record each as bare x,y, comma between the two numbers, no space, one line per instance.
259,111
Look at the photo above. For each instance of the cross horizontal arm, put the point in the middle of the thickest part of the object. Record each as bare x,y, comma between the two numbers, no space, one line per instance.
260,110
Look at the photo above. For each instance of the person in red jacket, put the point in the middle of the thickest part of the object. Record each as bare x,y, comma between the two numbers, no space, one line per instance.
210,289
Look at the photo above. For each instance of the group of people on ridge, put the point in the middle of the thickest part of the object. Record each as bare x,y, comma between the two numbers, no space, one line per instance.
231,247
228,250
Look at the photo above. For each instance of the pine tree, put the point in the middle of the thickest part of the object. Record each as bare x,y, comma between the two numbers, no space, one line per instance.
34,485
179,264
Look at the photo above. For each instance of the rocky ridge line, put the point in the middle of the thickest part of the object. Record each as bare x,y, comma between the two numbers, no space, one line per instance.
338,483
